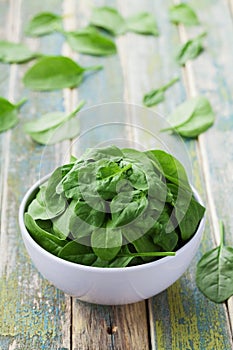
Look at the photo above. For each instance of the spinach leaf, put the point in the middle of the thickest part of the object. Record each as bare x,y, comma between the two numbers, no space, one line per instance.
115,207
156,96
45,239
142,23
8,113
192,117
108,19
55,203
106,242
112,152
91,43
61,223
50,120
55,72
126,207
11,52
214,275
86,218
108,175
170,167
78,253
183,13
188,211
54,127
37,208
190,50
44,23
64,131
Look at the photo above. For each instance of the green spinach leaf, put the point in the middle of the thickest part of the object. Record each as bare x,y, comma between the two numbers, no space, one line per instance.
156,96
183,13
45,239
91,42
44,23
106,242
11,52
78,253
108,19
192,117
142,23
188,211
54,127
115,207
55,203
8,113
190,50
55,72
214,275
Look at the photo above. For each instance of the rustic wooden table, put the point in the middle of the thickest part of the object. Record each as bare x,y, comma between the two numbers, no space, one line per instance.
33,314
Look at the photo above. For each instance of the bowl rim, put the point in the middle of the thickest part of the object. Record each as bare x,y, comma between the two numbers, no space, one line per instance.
162,260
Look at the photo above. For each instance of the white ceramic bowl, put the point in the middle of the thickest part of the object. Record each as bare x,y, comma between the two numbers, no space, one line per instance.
110,286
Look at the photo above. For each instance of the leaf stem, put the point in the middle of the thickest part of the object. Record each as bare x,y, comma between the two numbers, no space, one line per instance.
149,254
221,229
170,83
21,102
77,109
93,68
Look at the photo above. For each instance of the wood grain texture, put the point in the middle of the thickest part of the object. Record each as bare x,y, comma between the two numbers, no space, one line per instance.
181,316
92,324
33,314
216,83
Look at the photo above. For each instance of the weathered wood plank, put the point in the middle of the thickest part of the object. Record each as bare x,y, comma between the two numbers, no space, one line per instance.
110,327
33,314
180,317
216,83
91,323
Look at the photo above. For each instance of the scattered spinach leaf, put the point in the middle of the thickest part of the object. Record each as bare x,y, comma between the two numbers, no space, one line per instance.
11,52
54,127
108,19
183,13
191,49
192,117
91,42
214,275
44,23
156,96
55,72
8,113
142,23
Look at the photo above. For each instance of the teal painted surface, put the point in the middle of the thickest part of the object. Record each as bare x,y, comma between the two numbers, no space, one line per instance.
35,315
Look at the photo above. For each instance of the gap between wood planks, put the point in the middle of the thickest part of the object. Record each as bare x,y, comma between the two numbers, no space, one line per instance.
70,97
13,30
191,90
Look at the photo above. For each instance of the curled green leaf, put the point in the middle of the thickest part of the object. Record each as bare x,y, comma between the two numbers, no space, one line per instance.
11,52
191,49
44,23
156,96
91,43
8,113
55,72
108,19
192,117
183,13
214,275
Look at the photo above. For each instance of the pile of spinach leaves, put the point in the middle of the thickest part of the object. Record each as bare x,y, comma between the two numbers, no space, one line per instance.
115,208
